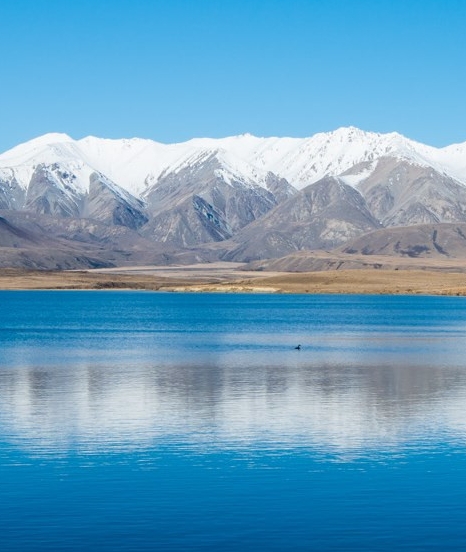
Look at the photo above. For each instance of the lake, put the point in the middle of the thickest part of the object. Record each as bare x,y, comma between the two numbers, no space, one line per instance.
158,421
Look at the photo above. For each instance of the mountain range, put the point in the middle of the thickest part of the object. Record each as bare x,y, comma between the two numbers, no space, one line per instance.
93,202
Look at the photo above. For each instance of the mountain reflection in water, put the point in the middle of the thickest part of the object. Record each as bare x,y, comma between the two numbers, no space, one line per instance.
338,409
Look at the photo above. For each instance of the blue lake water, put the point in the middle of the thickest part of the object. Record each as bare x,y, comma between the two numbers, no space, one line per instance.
152,421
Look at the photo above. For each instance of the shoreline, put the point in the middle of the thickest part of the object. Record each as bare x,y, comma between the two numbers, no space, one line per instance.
222,278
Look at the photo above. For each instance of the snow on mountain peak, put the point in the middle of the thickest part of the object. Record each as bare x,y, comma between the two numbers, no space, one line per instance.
136,164
36,147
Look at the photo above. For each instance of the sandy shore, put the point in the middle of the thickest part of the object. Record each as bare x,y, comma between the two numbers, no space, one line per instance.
225,277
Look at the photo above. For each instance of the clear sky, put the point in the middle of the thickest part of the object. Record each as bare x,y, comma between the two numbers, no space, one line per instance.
171,70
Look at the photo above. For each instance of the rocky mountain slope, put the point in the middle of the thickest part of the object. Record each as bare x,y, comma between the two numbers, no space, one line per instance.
423,246
239,198
447,241
321,216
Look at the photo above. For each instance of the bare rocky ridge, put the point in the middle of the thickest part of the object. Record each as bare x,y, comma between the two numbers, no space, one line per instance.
402,194
49,193
199,203
322,216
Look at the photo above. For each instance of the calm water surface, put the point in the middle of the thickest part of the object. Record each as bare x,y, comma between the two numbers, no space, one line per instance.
151,421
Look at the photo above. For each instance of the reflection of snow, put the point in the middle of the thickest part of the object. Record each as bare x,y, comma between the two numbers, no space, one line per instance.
328,408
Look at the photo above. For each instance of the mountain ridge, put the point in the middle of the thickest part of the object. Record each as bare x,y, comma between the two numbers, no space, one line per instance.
135,164
240,198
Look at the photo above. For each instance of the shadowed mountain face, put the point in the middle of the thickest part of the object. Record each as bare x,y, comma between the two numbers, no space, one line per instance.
210,201
13,236
108,203
26,243
37,241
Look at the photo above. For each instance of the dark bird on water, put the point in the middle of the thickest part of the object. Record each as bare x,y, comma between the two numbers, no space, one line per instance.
298,347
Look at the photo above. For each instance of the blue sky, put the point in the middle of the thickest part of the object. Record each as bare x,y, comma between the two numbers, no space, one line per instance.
171,70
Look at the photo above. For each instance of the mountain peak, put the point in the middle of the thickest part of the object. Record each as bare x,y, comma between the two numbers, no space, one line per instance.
36,146
53,138
49,139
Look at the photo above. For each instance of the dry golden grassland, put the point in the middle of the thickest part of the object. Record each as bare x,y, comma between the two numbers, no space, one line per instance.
215,278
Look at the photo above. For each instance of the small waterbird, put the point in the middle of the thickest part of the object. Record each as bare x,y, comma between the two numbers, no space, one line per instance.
298,347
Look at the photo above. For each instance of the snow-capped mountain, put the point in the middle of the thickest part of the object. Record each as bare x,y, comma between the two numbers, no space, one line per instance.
268,195
136,164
